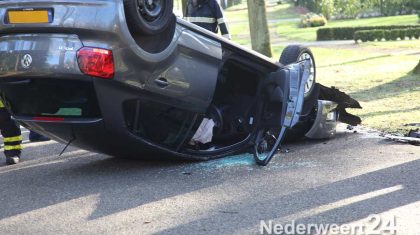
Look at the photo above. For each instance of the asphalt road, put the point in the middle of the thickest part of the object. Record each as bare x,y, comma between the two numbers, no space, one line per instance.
340,181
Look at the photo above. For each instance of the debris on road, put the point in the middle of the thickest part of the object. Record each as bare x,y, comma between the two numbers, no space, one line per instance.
343,101
414,133
413,137
412,124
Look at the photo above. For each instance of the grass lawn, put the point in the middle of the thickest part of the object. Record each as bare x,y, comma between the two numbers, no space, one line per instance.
281,11
237,17
378,75
291,30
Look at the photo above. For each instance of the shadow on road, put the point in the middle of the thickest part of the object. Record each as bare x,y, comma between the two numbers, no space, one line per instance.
126,184
339,202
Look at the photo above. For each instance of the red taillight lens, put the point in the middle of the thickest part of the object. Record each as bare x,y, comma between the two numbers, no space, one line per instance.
49,119
96,62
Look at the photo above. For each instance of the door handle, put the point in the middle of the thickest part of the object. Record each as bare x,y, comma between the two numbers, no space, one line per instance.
162,82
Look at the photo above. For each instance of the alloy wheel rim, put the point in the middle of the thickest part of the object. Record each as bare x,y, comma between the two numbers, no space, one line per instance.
265,145
311,80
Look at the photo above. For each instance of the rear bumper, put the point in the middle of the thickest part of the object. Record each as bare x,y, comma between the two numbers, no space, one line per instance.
92,135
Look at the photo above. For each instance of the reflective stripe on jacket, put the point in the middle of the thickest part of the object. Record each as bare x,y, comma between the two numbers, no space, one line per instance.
208,15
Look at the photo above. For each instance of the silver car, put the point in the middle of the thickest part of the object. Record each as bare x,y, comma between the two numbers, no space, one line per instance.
129,79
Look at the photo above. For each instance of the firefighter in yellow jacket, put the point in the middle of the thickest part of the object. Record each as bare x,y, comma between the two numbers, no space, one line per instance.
12,136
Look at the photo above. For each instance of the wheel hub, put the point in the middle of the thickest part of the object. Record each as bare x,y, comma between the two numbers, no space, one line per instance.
266,144
150,10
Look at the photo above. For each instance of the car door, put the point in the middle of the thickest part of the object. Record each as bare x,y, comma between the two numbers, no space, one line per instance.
189,77
281,103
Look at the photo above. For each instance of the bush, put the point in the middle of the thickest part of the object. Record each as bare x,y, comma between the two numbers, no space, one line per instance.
357,8
312,20
411,33
361,35
327,34
347,33
377,34
369,35
394,34
388,35
348,9
417,34
391,35
401,34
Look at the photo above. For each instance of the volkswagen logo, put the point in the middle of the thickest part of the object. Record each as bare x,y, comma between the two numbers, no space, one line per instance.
26,61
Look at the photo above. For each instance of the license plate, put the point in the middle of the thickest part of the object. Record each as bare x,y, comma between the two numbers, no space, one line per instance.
29,16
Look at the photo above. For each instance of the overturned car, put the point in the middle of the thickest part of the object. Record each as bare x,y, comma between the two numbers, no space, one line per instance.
129,79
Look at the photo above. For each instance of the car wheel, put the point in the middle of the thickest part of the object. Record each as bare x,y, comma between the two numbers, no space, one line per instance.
265,145
148,17
294,53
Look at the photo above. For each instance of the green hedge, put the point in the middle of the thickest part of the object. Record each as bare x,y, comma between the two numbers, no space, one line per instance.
347,33
388,35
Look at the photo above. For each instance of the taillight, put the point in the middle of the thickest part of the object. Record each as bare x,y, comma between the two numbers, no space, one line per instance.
49,119
96,62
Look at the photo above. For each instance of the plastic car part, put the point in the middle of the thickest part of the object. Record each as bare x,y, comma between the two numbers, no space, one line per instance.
326,121
49,119
343,101
96,62
295,53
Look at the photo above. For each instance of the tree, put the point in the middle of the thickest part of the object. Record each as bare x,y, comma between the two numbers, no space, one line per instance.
326,7
260,35
184,7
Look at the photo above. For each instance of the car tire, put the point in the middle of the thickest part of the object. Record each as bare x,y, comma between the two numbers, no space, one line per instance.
298,132
291,54
148,17
294,53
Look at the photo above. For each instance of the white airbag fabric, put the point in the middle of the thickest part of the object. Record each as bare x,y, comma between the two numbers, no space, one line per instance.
204,133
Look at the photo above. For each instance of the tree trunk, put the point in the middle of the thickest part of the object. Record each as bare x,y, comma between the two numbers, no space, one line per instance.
223,4
184,7
260,36
417,69
229,3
